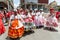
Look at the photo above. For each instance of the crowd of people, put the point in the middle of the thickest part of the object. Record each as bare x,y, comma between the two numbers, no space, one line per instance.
22,20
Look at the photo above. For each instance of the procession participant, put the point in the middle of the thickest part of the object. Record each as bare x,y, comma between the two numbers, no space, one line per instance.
8,14
51,21
36,19
2,28
41,11
35,11
11,17
41,18
30,15
20,17
27,16
18,11
27,21
4,18
22,11
16,28
58,18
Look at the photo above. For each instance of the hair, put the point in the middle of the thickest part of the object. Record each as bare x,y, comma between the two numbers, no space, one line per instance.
58,15
15,13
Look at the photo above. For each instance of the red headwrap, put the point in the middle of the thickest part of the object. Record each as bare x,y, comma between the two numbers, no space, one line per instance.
51,9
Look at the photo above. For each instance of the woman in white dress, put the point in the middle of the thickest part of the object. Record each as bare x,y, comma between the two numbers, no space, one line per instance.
51,21
39,19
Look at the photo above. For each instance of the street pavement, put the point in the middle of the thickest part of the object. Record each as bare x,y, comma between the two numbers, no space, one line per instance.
38,34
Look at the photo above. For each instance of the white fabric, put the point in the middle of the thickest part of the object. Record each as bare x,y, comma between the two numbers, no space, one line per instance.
58,28
39,19
16,17
29,15
32,13
20,24
38,13
4,20
23,16
51,20
19,17
11,17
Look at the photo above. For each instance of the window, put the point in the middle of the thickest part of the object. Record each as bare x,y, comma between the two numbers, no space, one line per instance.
34,1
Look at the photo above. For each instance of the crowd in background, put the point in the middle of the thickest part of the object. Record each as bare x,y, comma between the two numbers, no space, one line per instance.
21,19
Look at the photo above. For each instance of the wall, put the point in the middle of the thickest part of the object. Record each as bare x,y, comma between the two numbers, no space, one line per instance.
43,1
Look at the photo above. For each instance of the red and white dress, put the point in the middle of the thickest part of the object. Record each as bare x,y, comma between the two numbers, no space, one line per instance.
39,20
51,21
28,22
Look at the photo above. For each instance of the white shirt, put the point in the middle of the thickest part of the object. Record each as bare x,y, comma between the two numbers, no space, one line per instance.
29,15
11,17
19,16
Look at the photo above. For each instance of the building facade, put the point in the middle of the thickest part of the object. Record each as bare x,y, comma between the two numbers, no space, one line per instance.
6,4
53,5
32,4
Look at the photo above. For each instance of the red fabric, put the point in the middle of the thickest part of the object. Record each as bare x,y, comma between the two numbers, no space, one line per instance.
28,20
51,9
33,17
1,16
8,14
2,28
18,11
57,14
12,12
25,12
55,24
13,32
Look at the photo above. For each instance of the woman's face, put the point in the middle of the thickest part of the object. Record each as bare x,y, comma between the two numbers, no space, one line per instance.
52,11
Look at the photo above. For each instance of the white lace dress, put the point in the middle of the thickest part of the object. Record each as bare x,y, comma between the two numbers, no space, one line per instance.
39,20
51,21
